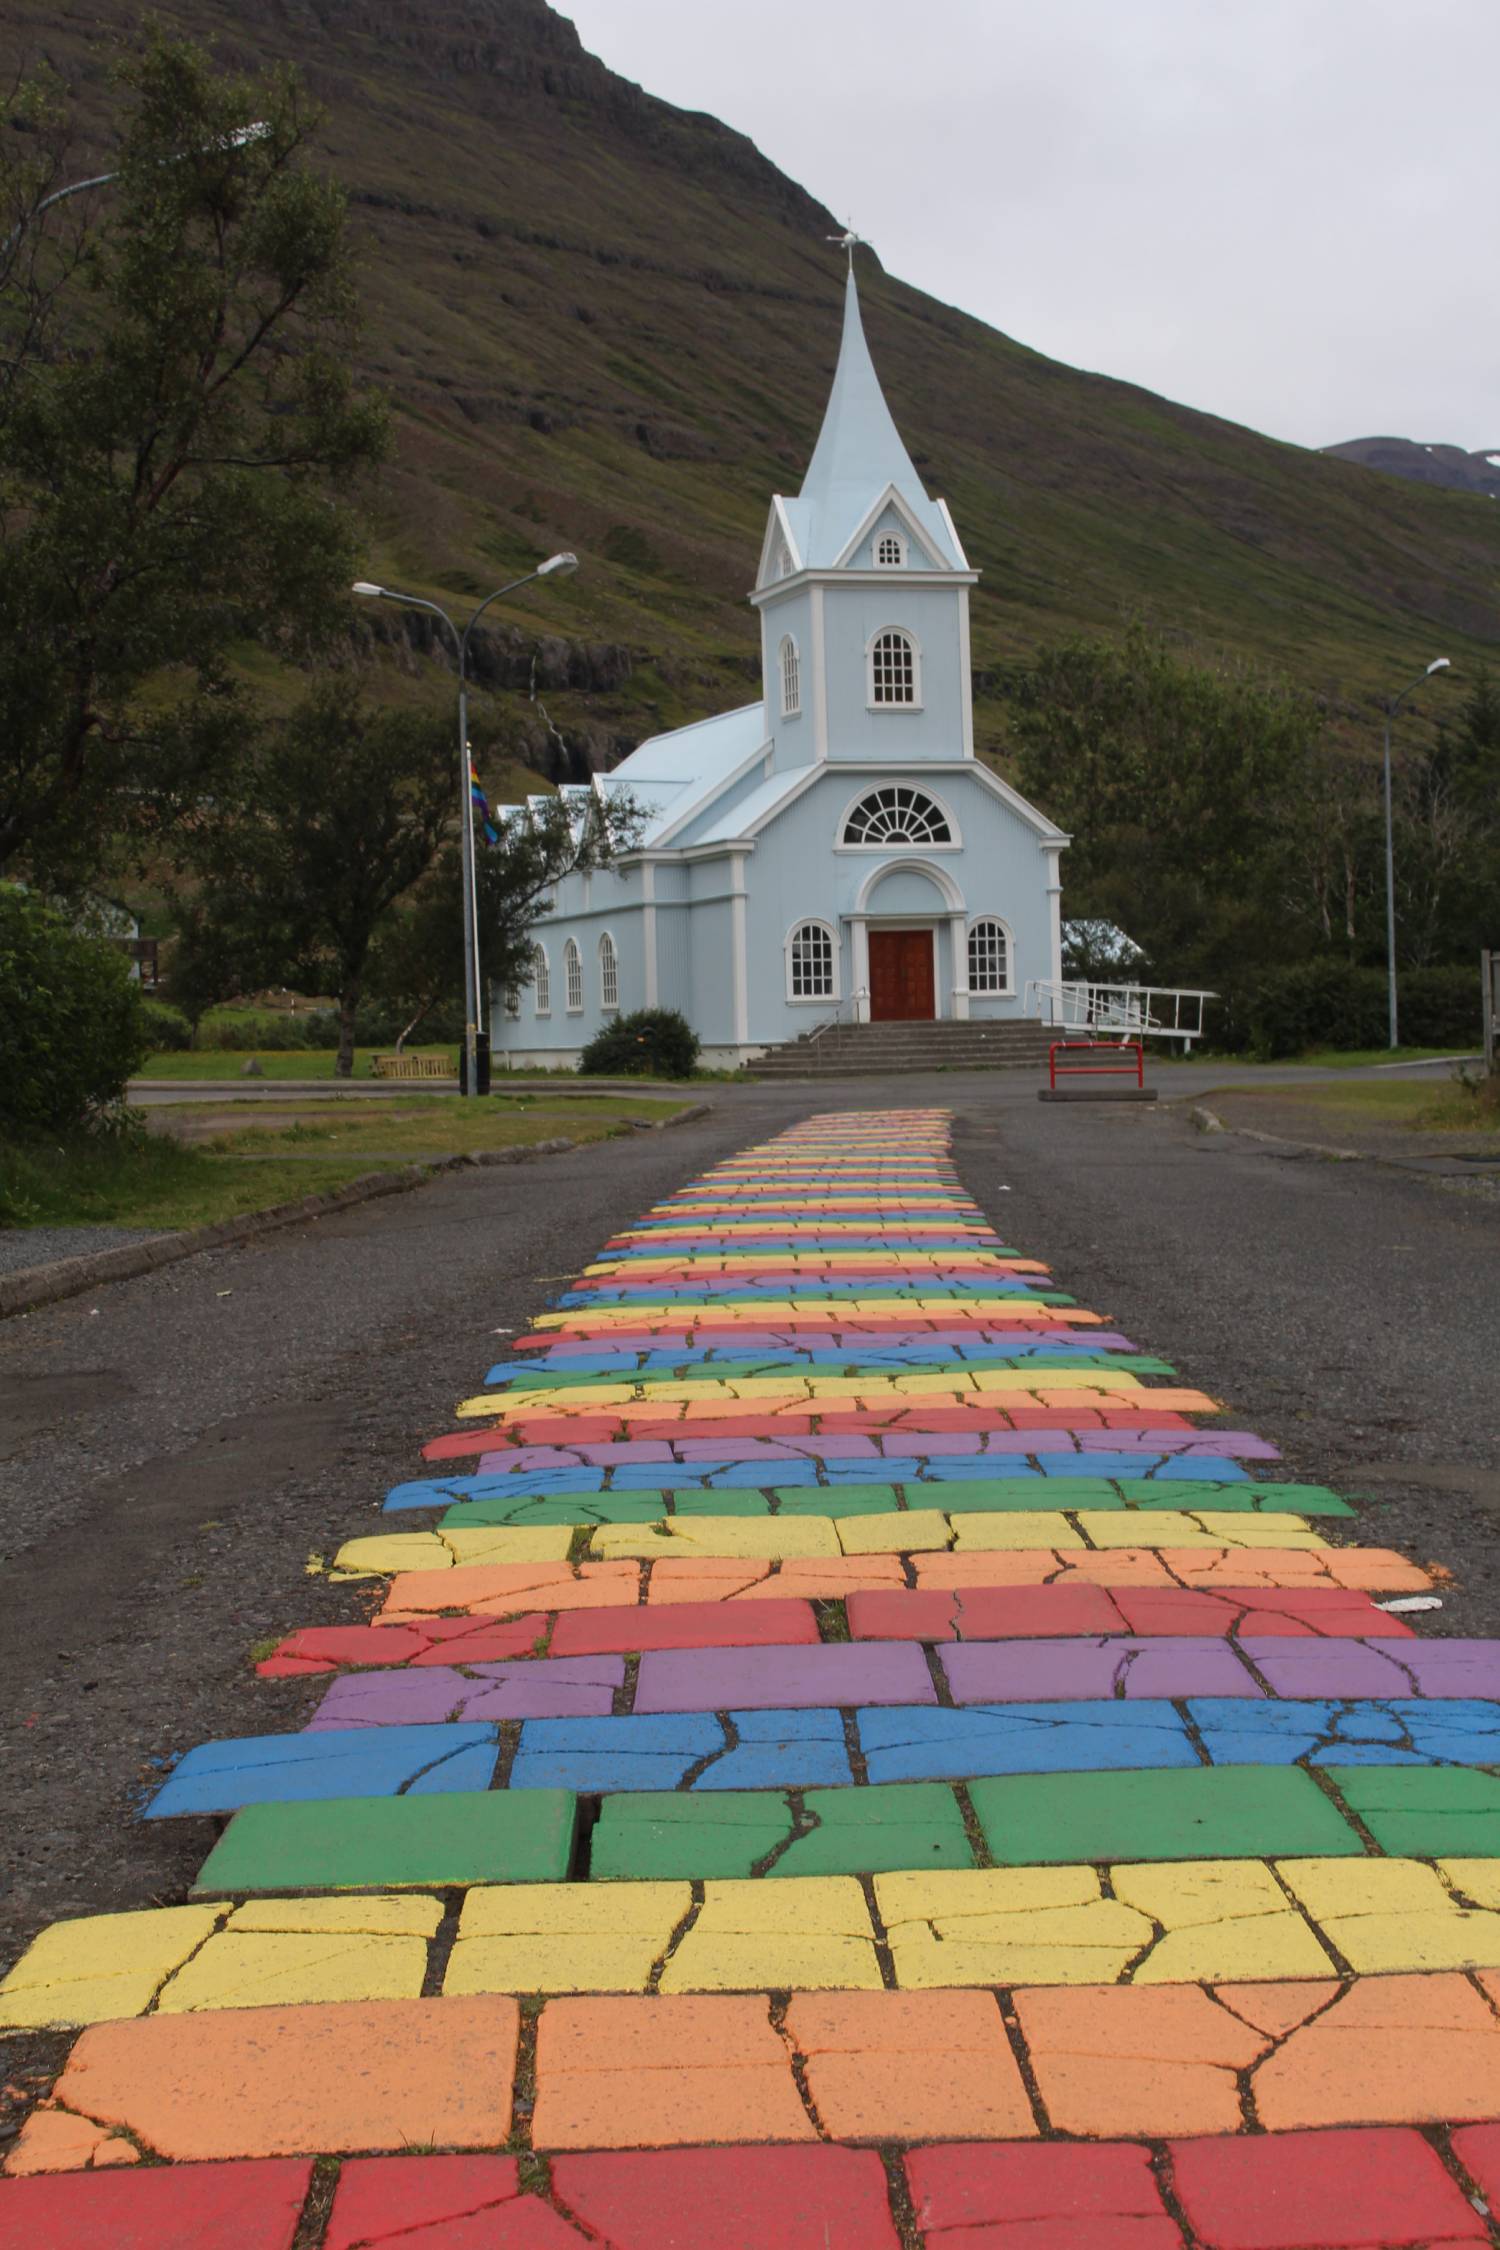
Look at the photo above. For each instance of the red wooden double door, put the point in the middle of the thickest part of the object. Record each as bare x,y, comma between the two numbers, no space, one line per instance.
903,986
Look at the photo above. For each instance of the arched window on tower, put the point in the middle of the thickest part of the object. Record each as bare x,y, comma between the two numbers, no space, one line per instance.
989,955
541,980
890,551
573,974
609,973
897,815
810,960
894,670
791,679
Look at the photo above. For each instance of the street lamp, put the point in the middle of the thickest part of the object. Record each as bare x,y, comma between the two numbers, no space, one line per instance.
1438,664
556,566
241,137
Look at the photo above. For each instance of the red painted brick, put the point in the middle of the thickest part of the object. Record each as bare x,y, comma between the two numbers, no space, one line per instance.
247,2206
441,2203
1039,2197
1477,2148
484,1641
1372,2189
978,1613
731,2199
606,1632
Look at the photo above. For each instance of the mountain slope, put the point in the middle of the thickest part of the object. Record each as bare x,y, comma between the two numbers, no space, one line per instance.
610,325
1446,465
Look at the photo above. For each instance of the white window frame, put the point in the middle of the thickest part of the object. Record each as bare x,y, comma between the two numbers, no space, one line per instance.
573,978
915,646
1005,991
541,980
814,999
905,844
888,562
789,660
609,974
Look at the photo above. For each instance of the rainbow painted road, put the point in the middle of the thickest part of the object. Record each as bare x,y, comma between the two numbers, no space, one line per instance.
843,1752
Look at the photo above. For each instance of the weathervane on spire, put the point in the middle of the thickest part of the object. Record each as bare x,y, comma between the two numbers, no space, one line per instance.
848,240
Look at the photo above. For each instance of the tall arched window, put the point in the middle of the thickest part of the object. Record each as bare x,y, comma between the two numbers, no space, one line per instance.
897,815
609,973
573,972
541,980
810,962
989,956
893,669
890,551
791,679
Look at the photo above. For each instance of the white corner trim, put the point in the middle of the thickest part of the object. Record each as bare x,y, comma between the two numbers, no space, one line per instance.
958,546
820,673
965,673
648,931
739,947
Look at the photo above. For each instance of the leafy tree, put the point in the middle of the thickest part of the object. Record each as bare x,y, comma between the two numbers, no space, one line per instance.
651,1043
75,1028
330,819
420,958
175,407
1182,787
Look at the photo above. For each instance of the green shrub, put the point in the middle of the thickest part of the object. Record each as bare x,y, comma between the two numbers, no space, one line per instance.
72,1025
653,1043
168,1029
1331,1003
1440,1007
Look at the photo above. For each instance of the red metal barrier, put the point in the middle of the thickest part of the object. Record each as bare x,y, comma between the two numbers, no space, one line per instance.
1118,1068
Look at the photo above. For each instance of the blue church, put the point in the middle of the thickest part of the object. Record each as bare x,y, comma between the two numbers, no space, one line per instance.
834,850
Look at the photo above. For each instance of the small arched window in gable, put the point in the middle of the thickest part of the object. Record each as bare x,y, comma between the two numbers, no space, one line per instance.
541,980
810,962
890,551
897,815
893,669
573,972
791,679
989,956
609,973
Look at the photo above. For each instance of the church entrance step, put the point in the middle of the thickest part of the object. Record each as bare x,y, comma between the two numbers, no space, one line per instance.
868,1050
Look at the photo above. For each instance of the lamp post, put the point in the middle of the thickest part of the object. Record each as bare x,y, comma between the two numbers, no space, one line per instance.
1438,664
241,137
556,566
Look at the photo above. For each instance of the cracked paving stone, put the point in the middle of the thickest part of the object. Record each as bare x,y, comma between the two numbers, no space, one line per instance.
910,2065
842,1674
763,1538
810,1934
280,1951
1388,2050
357,1843
441,2203
313,2080
983,1613
1007,1926
1389,1915
662,2071
1138,2061
817,1580
1331,2190
1357,1569
595,1757
1208,1813
556,1687
508,1589
101,1966
1057,2197
1221,1919
658,1835
919,1745
1083,1669
1392,1732
383,1554
789,2198
1424,1812
251,2205
1378,1666
687,1625
350,1762
565,1937
435,1640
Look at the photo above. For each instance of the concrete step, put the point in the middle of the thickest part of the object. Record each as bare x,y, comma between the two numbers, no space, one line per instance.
868,1050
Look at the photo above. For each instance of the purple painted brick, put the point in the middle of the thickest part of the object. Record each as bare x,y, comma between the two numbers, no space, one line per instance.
559,1687
1375,1667
786,1679
1088,1669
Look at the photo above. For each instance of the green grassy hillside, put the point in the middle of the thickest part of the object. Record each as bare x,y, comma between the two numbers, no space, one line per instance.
610,325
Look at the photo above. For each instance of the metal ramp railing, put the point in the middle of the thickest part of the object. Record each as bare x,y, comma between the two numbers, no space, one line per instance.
1124,1011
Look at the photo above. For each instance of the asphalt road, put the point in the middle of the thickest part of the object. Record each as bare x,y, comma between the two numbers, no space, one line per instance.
173,1450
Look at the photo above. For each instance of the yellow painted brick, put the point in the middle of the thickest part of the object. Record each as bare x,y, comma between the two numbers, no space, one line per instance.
1010,1925
499,1406
101,1966
385,1553
905,1532
1223,1919
1015,1527
1393,1915
810,1932
280,1951
762,1537
1478,1879
1168,1527
564,1937
1223,1528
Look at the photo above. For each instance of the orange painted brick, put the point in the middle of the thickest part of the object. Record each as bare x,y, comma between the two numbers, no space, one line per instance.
1134,2061
321,2078
1391,2050
910,2066
663,2071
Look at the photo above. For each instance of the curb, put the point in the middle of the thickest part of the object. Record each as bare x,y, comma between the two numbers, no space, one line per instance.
1208,1121
70,1277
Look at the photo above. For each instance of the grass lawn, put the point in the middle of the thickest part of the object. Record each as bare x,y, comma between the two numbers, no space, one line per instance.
297,1062
1451,1107
151,1180
1365,1058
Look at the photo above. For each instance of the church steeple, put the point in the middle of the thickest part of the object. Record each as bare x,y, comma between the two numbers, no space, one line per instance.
858,461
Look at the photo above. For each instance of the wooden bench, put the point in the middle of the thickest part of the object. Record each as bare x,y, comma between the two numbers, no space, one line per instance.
411,1066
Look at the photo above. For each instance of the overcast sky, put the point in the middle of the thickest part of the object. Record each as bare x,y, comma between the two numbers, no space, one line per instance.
1284,211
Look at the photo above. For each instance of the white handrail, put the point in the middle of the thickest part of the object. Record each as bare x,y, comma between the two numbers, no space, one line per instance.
1125,1011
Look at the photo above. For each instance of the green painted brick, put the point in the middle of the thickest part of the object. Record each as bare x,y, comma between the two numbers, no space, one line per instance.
1230,1812
1425,1812
557,1507
872,1831
838,1499
1248,1498
654,1834
391,1843
731,1833
999,1494
734,1501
